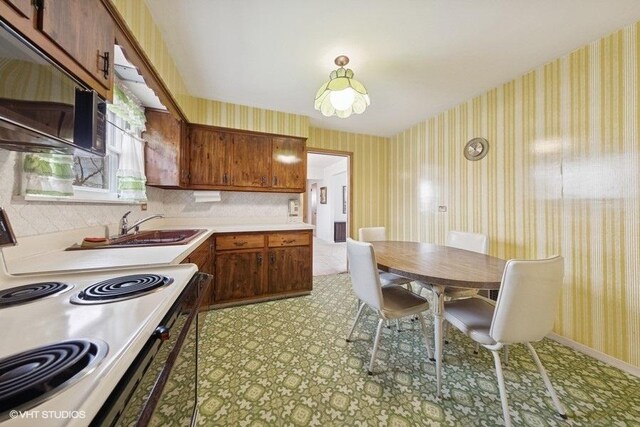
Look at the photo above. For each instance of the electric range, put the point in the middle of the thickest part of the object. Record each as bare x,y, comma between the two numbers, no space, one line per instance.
69,339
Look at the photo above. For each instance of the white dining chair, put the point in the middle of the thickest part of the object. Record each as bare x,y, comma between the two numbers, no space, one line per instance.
524,313
390,302
474,242
378,234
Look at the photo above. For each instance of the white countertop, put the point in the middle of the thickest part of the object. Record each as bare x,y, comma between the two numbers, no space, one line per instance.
46,254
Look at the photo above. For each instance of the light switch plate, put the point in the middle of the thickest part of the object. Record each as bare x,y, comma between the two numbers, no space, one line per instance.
442,208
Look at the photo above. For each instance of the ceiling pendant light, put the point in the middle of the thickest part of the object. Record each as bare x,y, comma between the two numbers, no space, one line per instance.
342,95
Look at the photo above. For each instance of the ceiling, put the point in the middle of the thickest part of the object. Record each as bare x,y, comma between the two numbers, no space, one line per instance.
321,161
417,58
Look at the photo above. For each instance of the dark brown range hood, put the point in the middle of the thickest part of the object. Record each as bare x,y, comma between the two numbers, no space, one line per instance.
42,108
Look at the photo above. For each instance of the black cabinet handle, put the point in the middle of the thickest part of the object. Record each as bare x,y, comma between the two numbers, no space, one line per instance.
105,64
259,258
225,178
240,243
275,180
272,258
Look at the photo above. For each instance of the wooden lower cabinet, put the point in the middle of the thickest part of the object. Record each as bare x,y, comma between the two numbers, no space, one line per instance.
239,275
251,267
202,257
289,269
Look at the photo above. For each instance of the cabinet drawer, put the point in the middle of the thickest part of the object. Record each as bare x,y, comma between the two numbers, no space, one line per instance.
289,239
243,241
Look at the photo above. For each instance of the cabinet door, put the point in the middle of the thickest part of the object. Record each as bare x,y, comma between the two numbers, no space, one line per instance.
289,269
251,161
85,30
238,275
209,157
163,149
202,257
23,7
289,169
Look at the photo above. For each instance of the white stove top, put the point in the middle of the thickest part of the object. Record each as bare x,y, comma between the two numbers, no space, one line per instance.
124,326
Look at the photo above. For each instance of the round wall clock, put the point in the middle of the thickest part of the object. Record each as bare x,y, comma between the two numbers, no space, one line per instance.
476,149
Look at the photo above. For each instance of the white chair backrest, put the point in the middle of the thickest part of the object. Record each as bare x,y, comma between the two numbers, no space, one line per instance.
528,300
475,242
372,234
364,273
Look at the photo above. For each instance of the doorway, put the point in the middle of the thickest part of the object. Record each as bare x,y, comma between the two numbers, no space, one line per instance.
327,206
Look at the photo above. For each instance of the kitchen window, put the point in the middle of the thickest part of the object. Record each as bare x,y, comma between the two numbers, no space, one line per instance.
118,177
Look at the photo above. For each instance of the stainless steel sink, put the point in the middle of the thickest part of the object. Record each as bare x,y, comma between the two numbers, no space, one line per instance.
147,238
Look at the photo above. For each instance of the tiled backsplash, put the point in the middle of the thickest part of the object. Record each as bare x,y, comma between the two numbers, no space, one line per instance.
30,218
178,203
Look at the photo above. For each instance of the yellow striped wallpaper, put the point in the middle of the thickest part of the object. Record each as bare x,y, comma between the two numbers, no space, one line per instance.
369,173
138,17
562,176
198,110
216,113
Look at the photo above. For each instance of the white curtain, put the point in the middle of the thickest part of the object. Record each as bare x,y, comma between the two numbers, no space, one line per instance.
48,174
131,177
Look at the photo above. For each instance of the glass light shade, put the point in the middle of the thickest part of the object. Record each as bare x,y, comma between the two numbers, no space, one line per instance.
342,99
342,95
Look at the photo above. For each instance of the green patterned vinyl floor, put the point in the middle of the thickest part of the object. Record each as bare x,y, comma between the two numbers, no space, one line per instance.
286,363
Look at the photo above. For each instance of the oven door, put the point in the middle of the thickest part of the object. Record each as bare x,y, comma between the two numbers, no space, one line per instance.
160,387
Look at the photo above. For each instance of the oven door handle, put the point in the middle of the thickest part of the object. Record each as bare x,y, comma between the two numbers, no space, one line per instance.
161,333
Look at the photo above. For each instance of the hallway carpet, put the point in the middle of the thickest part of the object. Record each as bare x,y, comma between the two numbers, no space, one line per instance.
329,257
286,363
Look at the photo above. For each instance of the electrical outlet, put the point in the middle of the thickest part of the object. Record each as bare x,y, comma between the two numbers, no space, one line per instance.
442,208
143,207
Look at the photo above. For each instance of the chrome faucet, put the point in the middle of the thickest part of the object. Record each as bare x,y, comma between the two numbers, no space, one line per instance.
124,223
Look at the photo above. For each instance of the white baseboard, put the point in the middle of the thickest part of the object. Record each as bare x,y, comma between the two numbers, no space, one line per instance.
633,370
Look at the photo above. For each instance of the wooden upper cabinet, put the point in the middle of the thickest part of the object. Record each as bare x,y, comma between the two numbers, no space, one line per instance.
289,163
204,157
23,7
85,30
210,157
251,161
164,152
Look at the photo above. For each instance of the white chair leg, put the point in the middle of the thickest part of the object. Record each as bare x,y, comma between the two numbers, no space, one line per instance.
477,350
355,322
425,335
398,325
506,355
375,346
547,382
501,387
445,331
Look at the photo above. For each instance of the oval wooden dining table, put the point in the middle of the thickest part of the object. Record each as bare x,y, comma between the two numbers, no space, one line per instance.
438,268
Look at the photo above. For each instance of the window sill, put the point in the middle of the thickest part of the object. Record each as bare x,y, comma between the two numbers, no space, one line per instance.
95,199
